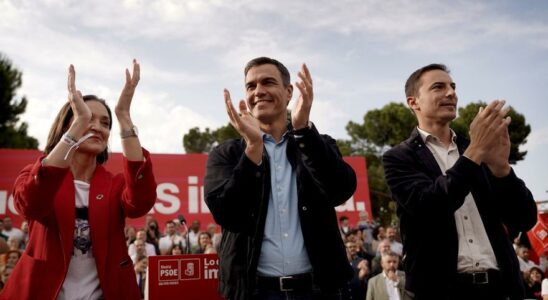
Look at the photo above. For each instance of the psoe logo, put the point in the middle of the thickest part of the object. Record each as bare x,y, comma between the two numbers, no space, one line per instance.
168,270
191,269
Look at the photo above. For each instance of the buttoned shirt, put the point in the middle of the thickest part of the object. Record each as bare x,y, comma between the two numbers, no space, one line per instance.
282,251
391,288
475,251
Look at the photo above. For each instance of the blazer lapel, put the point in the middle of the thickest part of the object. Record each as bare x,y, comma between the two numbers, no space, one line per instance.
425,157
65,215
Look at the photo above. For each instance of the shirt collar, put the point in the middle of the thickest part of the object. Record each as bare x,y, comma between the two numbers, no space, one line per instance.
268,137
427,136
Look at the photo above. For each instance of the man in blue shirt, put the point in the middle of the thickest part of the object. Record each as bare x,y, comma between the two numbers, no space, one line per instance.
274,192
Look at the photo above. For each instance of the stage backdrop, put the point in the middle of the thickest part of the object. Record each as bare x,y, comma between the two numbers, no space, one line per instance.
180,179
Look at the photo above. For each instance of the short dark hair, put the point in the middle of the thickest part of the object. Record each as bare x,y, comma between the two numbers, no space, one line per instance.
62,124
413,82
286,78
342,218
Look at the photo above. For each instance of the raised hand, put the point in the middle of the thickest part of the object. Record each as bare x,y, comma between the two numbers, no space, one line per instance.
82,113
247,126
124,102
486,130
497,158
301,112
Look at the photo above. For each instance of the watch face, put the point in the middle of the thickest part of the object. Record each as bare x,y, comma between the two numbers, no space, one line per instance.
135,130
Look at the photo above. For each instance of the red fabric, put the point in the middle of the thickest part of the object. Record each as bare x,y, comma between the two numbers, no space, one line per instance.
45,196
538,236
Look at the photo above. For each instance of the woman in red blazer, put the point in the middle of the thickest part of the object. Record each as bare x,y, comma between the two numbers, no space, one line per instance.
76,209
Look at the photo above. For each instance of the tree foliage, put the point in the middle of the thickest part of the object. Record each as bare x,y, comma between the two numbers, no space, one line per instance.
197,141
381,128
518,129
12,134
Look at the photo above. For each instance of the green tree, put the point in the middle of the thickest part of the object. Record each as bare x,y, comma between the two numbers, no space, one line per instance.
518,129
387,126
12,135
197,141
381,128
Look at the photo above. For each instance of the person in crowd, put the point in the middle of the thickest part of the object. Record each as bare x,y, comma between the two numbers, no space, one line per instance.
76,208
14,243
204,242
215,236
525,264
153,235
379,234
5,274
376,265
130,234
140,267
25,230
466,188
149,248
2,236
177,249
193,233
366,226
274,193
11,258
544,289
357,286
140,250
345,227
390,283
171,238
395,246
533,283
10,231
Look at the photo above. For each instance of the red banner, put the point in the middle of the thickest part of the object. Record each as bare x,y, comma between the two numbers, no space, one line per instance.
538,235
190,277
180,179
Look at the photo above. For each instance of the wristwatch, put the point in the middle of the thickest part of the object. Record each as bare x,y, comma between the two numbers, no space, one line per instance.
129,132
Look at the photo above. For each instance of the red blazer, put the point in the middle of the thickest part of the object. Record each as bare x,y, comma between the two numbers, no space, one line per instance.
44,195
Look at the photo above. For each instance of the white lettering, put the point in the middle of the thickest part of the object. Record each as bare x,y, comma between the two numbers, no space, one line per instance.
347,206
192,195
164,197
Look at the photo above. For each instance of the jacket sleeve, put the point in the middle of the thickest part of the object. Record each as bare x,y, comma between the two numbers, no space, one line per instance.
417,193
35,189
519,210
139,193
233,185
323,161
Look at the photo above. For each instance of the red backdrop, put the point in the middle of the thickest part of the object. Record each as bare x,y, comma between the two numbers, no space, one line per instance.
180,179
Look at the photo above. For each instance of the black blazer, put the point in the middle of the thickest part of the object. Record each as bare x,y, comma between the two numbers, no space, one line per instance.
237,193
427,201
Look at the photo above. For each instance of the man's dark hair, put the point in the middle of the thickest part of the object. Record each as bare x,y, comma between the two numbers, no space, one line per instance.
259,61
413,82
342,218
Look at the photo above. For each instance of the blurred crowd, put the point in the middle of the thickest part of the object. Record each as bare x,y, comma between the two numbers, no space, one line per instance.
374,252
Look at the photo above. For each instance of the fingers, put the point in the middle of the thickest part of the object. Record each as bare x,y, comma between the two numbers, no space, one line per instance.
136,72
230,110
305,86
71,85
243,108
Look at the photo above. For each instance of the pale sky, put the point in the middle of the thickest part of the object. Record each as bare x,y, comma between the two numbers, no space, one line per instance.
359,52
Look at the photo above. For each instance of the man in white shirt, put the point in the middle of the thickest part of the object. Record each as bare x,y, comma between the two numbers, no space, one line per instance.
525,264
461,192
10,231
390,283
171,238
141,235
395,246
